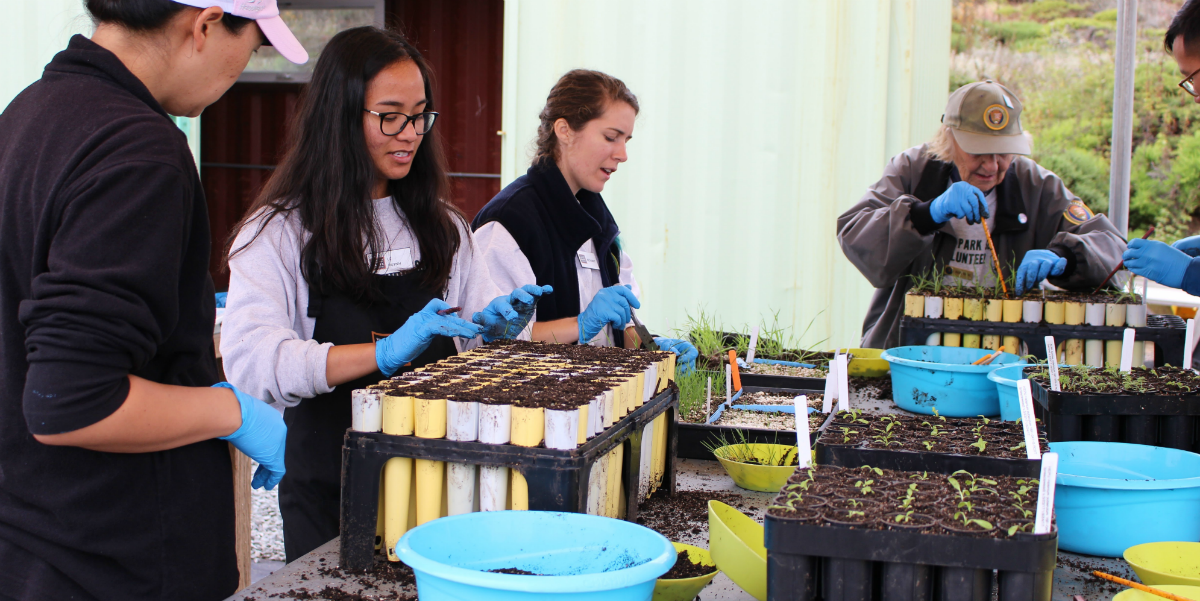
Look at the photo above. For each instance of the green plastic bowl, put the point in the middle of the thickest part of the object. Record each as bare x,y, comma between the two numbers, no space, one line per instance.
1189,592
1166,563
686,589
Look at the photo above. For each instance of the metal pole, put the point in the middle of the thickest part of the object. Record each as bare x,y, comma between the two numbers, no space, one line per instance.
1122,131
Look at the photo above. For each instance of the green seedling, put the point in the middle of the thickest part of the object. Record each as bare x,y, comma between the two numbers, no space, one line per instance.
864,487
1026,527
980,444
1020,446
968,520
846,432
928,445
855,514
904,518
854,503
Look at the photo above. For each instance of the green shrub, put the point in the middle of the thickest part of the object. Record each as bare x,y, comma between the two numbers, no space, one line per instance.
1011,32
1049,10
1106,15
1084,172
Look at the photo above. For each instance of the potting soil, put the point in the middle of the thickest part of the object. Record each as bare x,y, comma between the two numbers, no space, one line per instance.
1165,380
684,568
899,432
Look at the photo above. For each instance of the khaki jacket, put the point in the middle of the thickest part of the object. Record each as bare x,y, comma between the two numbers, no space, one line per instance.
890,235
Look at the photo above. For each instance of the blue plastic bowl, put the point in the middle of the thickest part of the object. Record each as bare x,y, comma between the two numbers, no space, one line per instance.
1111,496
924,377
1006,379
583,557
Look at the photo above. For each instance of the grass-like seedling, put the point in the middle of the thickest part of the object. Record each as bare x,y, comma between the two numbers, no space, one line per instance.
740,450
693,388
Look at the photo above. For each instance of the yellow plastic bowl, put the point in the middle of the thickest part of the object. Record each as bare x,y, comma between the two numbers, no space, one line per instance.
866,363
736,543
686,589
762,478
1166,563
1188,592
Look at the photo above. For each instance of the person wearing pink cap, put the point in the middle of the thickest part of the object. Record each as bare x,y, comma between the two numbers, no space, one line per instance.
115,473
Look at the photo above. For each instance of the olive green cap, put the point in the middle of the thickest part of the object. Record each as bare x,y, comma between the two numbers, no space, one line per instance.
985,118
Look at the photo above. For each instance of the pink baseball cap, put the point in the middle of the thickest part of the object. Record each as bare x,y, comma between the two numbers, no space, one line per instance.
265,13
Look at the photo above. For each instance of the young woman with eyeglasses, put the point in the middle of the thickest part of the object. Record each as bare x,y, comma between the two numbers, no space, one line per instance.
550,226
343,266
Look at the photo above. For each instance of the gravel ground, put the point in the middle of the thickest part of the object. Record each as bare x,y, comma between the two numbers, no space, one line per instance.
266,529
785,370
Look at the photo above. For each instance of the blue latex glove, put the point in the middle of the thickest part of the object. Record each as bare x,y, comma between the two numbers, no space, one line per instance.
1037,266
610,306
1156,261
684,349
506,316
261,437
959,200
1189,246
417,333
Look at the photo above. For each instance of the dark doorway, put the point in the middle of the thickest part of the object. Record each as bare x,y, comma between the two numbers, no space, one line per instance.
242,134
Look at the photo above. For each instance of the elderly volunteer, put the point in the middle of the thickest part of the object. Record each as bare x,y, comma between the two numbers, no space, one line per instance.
925,214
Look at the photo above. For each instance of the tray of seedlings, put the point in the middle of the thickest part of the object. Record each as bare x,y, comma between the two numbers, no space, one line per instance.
511,425
1157,407
756,415
931,443
871,534
1088,325
776,365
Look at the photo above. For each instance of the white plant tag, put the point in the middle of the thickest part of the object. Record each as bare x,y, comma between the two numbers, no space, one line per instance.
830,387
753,345
1189,344
803,444
1127,350
843,383
1052,358
1045,504
1033,448
708,398
728,382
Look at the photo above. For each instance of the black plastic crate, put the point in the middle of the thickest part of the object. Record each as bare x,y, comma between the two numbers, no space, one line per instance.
693,436
806,562
1167,332
1158,420
558,480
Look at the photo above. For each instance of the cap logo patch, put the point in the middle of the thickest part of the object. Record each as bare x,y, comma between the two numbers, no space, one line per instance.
253,6
1077,212
995,117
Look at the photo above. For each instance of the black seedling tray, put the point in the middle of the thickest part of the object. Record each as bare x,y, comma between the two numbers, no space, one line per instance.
1167,332
807,562
1158,420
841,455
772,381
558,480
693,436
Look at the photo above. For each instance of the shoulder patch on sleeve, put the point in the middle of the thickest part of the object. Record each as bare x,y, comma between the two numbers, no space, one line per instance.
1077,212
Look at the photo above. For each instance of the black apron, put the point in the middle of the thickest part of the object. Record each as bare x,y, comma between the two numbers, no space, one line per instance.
310,493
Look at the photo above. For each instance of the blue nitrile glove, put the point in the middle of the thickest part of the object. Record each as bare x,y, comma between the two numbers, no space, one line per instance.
414,336
610,306
261,437
959,200
506,316
687,353
1190,246
1037,266
1156,261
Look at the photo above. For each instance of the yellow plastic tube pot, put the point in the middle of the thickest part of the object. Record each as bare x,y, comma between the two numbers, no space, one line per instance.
528,429
430,423
398,418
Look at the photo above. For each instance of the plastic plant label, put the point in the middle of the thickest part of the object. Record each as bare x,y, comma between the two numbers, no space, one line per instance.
1045,503
804,445
708,397
1189,345
843,383
830,388
1052,357
1033,448
753,345
728,382
1127,350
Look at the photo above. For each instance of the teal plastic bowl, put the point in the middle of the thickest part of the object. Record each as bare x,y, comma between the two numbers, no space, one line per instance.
1006,379
925,377
582,557
1110,496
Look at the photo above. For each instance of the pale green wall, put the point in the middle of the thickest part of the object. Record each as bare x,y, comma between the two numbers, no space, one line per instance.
33,33
761,122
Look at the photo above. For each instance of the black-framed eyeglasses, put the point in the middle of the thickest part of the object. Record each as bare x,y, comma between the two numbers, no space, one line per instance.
1187,84
391,124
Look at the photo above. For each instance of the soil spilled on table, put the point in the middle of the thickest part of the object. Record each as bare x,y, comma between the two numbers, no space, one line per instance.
683,516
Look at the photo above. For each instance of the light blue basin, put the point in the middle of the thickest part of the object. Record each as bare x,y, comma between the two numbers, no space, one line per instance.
1006,379
583,557
925,377
1111,496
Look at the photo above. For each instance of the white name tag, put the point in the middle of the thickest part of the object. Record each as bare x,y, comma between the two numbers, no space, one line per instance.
588,260
395,261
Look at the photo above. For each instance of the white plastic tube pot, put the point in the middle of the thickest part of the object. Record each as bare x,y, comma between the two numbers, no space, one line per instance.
933,310
495,427
462,424
562,429
1114,315
1031,311
1093,350
646,460
366,410
1135,317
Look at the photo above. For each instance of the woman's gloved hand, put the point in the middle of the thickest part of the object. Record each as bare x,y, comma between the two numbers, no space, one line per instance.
261,437
684,349
610,306
507,316
960,200
1037,266
1156,261
417,333
1190,246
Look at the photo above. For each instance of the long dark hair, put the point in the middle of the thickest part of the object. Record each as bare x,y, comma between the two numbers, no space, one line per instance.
327,176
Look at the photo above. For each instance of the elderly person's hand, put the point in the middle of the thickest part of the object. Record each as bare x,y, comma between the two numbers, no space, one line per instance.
960,200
